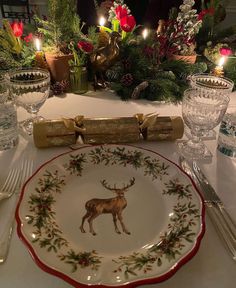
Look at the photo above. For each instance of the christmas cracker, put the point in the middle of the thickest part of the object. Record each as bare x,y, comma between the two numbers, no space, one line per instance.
67,131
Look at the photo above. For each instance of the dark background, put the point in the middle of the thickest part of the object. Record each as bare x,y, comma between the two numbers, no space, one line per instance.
146,12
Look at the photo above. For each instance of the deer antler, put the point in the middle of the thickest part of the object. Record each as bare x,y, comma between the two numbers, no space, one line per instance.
105,184
131,183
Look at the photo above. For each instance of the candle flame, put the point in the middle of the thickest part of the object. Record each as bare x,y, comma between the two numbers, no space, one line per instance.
145,33
38,44
102,21
222,61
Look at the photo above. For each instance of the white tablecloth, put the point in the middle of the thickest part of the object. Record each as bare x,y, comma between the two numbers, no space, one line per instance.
210,267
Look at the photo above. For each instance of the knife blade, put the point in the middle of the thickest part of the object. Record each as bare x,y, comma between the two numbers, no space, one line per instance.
213,209
211,195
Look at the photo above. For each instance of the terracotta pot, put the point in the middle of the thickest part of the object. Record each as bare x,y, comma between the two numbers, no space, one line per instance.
190,58
58,66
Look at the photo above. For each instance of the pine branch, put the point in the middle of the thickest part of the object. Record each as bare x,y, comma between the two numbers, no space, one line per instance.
7,61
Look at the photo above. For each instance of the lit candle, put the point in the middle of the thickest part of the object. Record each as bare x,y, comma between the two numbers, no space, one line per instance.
39,55
219,70
145,33
102,22
38,44
222,61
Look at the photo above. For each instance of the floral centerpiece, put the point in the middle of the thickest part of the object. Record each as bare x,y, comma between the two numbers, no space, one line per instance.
117,55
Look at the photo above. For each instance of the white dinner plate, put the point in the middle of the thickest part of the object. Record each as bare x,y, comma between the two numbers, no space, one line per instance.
110,215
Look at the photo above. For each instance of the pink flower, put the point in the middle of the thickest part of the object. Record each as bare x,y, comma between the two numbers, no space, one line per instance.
203,13
127,23
85,46
225,51
17,28
121,12
28,38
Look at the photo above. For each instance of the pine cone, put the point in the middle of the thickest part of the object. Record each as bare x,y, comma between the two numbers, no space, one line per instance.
127,79
59,87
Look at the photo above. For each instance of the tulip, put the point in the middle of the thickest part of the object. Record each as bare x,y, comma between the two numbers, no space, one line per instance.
127,23
17,28
85,46
121,12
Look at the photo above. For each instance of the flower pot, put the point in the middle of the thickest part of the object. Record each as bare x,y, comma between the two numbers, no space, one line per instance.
58,66
187,58
78,79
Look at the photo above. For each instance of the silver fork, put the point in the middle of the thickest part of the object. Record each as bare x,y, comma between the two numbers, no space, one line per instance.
10,184
5,239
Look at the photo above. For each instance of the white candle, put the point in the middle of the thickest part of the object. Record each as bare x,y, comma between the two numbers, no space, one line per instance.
38,44
39,54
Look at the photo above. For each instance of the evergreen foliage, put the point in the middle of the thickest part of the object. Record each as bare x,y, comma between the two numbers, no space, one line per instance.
62,27
166,81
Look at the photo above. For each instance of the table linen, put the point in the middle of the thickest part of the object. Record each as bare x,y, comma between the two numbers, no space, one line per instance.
212,266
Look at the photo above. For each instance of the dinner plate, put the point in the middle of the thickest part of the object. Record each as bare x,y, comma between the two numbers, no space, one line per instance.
111,215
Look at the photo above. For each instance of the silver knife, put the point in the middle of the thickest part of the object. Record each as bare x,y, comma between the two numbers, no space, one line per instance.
214,209
211,196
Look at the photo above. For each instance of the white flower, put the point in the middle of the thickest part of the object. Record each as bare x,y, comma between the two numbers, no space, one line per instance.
185,8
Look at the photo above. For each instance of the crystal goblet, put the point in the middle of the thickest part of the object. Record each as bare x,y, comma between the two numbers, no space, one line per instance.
29,88
211,83
208,83
201,112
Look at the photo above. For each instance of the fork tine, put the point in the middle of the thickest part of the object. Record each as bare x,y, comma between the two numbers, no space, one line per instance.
12,182
10,176
27,168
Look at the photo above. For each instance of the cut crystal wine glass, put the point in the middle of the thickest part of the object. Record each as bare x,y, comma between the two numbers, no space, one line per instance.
208,83
201,112
29,88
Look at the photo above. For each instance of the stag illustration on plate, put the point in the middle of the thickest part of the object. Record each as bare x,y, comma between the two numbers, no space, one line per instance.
114,206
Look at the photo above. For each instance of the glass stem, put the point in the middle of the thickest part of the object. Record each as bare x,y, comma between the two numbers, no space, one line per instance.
195,138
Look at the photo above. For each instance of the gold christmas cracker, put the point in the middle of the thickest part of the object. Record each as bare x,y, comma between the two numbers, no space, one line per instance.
66,131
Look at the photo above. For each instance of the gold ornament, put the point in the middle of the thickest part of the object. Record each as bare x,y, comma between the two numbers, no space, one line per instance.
104,57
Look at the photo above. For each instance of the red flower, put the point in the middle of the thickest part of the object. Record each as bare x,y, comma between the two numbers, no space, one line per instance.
28,38
203,13
127,23
17,28
121,12
85,46
225,51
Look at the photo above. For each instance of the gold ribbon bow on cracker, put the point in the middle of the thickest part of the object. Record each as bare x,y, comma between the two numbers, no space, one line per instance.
74,124
146,120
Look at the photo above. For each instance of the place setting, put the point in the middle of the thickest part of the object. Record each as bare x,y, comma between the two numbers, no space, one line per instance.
98,194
